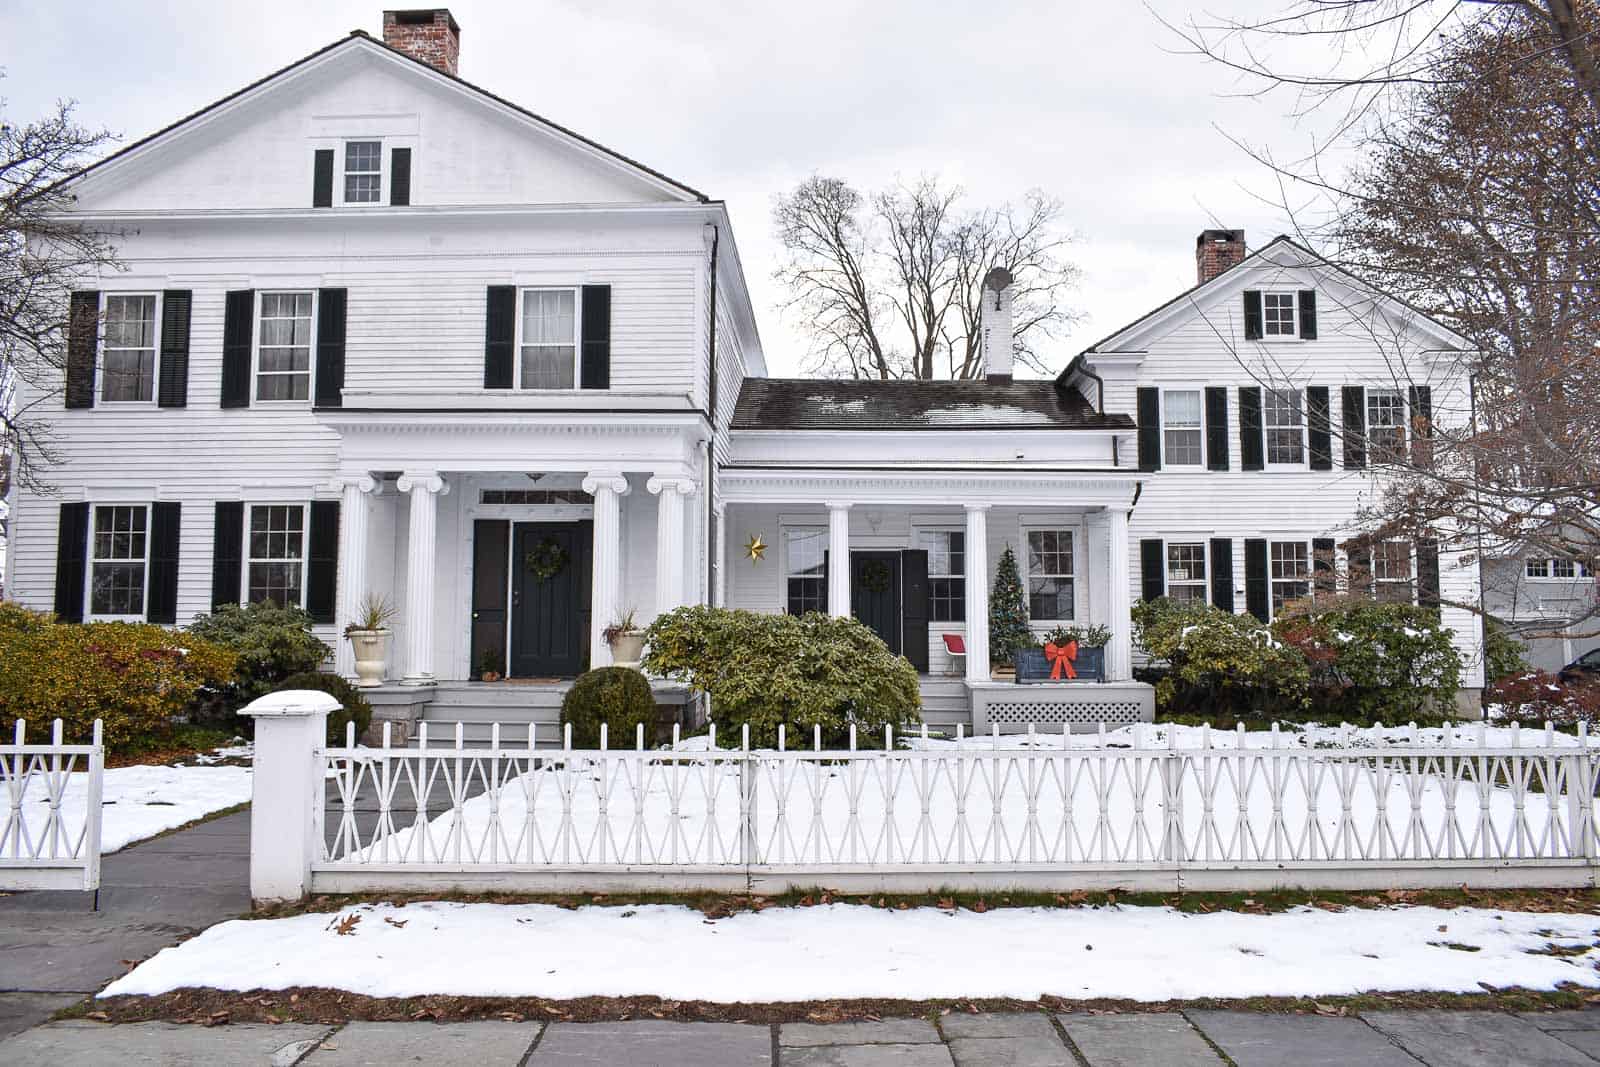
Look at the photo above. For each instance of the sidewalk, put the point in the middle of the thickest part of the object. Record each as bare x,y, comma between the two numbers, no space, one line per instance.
1380,1039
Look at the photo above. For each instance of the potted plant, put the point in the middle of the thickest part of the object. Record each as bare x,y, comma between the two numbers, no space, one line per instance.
626,641
1008,615
491,666
369,636
1068,653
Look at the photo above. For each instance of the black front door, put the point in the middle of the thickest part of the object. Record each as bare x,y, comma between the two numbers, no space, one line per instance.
549,599
875,594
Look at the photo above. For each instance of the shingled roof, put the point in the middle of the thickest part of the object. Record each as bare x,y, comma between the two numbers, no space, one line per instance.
850,404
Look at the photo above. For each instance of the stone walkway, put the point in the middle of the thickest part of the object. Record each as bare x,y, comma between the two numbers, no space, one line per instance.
1379,1039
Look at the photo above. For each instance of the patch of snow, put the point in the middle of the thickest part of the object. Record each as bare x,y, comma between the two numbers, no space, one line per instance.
850,950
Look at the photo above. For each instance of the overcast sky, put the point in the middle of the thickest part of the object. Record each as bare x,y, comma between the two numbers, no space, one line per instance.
1088,101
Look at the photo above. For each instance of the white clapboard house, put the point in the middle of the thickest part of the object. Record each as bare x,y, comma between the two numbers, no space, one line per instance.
379,331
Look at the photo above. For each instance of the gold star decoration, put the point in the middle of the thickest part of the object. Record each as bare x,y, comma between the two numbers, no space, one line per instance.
755,548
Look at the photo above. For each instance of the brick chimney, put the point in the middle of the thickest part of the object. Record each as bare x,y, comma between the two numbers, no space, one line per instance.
428,34
1215,251
995,323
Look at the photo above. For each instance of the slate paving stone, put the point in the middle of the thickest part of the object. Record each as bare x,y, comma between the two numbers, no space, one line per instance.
1010,1052
482,1044
998,1024
1475,1039
1585,1041
1586,1019
87,1044
1138,1040
18,1011
1252,1040
660,1044
885,1032
876,1055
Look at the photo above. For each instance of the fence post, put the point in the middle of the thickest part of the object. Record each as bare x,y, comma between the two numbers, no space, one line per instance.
287,791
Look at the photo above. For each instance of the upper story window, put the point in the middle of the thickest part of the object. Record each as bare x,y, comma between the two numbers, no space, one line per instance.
947,566
1186,571
283,351
1291,573
128,359
547,349
363,172
277,554
1386,424
805,569
1180,424
1050,576
1277,311
117,567
1284,417
1565,569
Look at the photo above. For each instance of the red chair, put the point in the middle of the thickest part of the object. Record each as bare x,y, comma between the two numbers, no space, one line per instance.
955,646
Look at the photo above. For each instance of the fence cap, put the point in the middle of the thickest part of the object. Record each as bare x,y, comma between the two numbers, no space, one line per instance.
290,703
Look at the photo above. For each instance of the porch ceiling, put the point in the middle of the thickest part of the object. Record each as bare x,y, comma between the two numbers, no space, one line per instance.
946,486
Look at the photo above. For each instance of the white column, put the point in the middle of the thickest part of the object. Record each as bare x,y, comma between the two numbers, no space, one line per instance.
719,592
1119,604
670,544
421,572
977,583
291,729
355,516
607,488
839,560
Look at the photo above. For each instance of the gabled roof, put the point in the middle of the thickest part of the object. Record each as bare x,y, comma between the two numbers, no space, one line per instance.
359,38
856,404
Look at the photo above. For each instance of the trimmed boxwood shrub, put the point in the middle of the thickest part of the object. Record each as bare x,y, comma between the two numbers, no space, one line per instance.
353,706
272,643
619,697
814,670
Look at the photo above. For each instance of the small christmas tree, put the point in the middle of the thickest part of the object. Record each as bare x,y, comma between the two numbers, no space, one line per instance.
1008,612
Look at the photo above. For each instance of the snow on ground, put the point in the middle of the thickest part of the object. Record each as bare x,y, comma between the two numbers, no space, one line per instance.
139,801
848,950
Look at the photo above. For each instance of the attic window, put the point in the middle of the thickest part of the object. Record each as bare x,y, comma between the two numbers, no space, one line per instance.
363,172
1279,309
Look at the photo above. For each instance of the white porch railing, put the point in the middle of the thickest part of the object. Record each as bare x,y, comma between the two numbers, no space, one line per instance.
1343,809
51,836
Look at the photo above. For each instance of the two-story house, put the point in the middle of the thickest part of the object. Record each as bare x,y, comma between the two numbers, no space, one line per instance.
379,331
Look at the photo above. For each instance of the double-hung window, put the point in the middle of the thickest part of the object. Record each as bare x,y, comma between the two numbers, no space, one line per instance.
128,359
1285,419
1050,575
804,566
548,346
1391,571
119,561
1291,573
1277,311
1180,424
947,565
1554,568
276,569
1186,571
283,349
1386,425
363,172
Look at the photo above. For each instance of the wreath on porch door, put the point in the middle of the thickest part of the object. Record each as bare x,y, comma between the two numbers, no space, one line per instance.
875,576
546,560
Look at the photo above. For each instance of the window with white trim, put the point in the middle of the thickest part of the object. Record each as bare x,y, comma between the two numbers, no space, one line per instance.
805,571
1392,572
1565,569
1291,573
128,353
1186,571
1180,426
363,172
1277,315
119,560
277,554
1283,414
947,573
283,346
1050,576
547,342
1386,425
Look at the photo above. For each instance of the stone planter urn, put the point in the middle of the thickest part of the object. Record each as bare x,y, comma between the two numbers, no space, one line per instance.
372,656
627,648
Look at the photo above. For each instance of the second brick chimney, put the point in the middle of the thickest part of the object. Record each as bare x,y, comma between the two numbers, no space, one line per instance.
1215,251
428,34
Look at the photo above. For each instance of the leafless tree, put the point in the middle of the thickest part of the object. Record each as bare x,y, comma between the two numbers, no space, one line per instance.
889,285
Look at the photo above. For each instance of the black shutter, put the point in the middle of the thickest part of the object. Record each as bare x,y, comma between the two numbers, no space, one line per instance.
1252,315
1152,569
1421,425
1216,428
238,315
330,347
173,386
827,582
1149,406
227,553
162,603
400,177
1323,579
1252,455
491,548
1256,599
1222,573
1321,436
322,560
72,557
1428,573
1359,552
322,178
596,337
83,336
1308,314
914,607
1354,402
499,337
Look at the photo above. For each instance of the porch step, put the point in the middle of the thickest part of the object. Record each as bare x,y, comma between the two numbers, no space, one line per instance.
945,703
496,695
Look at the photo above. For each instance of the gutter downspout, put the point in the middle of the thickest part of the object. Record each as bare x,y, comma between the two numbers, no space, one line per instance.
712,563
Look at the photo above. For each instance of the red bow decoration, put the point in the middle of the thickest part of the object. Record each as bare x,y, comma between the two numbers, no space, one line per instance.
1060,658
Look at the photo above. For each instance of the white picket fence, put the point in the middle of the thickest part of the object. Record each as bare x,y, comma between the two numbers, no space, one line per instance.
51,836
1342,809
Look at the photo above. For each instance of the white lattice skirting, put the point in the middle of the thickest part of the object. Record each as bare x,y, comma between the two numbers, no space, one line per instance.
1078,704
